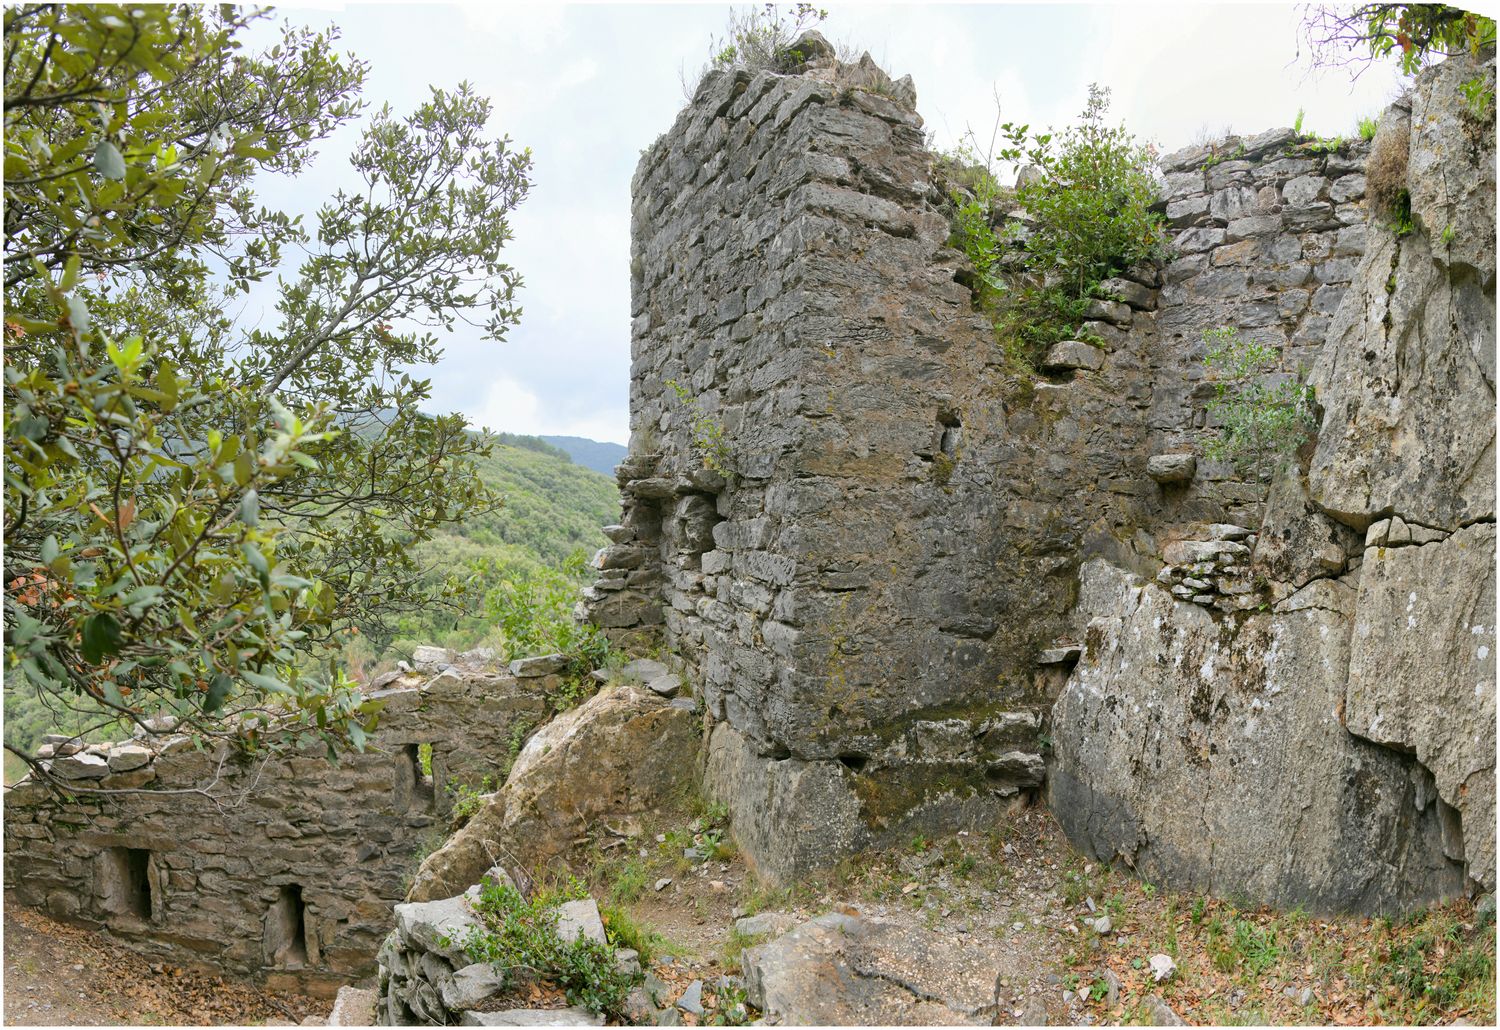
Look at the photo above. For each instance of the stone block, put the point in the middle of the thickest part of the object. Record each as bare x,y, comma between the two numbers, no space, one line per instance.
1171,469
539,665
1073,354
577,919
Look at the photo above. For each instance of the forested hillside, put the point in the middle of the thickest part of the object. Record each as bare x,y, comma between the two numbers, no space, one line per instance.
525,563
594,454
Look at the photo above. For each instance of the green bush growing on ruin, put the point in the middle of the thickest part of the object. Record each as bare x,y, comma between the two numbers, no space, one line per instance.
517,933
760,39
1091,204
1260,424
1089,210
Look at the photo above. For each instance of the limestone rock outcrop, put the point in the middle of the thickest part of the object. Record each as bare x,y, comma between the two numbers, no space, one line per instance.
624,751
1334,747
1211,756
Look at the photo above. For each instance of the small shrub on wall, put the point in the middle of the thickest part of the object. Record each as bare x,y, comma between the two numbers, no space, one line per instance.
1261,422
1088,207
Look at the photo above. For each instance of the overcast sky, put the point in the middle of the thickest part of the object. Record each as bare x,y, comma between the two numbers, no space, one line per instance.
588,87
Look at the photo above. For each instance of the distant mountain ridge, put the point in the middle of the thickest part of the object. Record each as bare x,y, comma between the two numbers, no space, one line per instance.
594,454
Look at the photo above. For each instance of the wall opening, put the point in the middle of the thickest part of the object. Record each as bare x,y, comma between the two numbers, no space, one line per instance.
286,930
424,786
950,434
126,876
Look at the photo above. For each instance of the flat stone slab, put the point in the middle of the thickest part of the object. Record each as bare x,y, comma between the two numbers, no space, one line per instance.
129,756
666,686
580,919
643,670
1059,655
540,665
82,766
841,969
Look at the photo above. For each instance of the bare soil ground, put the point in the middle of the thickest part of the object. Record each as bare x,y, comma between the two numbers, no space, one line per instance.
59,975
1025,888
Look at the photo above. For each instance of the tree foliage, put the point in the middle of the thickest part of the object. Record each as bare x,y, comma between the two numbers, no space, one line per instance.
197,514
1414,33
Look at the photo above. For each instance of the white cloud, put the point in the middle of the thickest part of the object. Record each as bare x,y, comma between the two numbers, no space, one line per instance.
512,407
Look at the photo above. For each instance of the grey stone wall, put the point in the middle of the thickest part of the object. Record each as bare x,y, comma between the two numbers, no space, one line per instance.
285,868
874,596
1333,746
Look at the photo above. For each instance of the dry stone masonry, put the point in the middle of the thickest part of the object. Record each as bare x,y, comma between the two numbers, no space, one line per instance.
284,868
1337,750
881,554
902,588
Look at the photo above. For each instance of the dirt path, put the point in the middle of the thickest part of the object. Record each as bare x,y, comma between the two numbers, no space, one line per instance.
57,975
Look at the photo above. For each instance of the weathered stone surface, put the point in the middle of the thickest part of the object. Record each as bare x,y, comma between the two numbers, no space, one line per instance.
1073,354
763,923
124,757
1171,468
431,659
1422,672
539,665
1210,756
575,1016
847,970
438,927
80,766
580,919
623,751
1297,543
471,986
353,1006
1407,378
330,844
848,603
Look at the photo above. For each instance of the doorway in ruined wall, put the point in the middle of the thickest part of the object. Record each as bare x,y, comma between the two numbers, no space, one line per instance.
126,884
285,934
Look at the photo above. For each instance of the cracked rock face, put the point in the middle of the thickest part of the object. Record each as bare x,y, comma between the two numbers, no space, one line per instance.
1336,751
1422,673
1209,755
850,970
1407,378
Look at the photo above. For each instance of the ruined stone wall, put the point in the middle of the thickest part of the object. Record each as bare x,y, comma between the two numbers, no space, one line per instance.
866,537
1335,748
285,868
